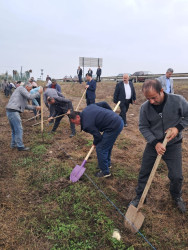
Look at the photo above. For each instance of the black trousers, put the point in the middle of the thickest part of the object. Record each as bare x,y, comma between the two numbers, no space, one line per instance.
173,159
90,101
98,78
57,121
124,108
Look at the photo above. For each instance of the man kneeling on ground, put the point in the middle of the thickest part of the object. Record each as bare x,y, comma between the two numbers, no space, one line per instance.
61,106
97,118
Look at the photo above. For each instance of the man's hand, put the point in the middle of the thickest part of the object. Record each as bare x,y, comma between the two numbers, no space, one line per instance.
50,118
134,102
41,90
173,134
87,86
94,145
160,149
68,112
38,108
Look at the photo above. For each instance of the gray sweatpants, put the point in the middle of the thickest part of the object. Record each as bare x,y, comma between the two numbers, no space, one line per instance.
173,159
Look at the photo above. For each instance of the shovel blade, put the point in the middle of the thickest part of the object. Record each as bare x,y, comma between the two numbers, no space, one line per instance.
134,218
77,172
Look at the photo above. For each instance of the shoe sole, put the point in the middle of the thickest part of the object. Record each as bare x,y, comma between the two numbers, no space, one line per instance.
107,175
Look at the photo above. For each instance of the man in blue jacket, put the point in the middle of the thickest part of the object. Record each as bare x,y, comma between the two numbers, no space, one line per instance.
97,118
55,85
91,88
159,113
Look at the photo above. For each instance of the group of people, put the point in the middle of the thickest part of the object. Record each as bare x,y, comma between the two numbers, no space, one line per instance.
162,111
90,71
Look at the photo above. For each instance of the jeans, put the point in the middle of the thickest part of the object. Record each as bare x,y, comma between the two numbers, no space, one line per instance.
90,101
124,108
173,159
104,148
80,79
17,130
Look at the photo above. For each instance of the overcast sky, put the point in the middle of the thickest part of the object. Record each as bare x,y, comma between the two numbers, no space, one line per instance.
130,35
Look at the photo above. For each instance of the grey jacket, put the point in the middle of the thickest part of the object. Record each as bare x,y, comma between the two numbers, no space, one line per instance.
51,93
162,80
153,126
19,98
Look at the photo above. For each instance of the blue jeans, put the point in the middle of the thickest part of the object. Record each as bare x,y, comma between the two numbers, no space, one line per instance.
80,79
16,127
104,148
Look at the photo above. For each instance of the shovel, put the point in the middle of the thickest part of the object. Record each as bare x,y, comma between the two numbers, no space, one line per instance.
134,218
80,100
78,171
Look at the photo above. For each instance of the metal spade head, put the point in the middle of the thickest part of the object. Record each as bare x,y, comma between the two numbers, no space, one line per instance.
134,218
77,172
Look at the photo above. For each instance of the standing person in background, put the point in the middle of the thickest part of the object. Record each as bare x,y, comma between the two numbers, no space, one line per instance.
125,93
16,105
91,88
98,73
48,78
79,73
167,81
54,85
90,72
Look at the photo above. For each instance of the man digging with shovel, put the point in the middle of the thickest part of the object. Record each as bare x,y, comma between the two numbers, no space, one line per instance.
61,106
158,114
97,118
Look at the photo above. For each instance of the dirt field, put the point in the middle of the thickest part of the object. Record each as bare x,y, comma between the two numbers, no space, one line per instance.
40,207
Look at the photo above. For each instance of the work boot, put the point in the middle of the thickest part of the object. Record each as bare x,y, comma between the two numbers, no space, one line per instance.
179,202
100,174
72,135
23,149
108,167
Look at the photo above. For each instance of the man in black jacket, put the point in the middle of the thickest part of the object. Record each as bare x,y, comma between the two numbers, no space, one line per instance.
97,118
98,73
79,73
125,93
90,71
61,106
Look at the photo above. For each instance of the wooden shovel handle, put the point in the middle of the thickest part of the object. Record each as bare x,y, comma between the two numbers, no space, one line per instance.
152,174
80,100
117,105
42,116
91,150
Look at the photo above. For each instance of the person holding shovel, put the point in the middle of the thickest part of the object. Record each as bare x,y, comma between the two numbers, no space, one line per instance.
158,114
16,105
97,118
61,106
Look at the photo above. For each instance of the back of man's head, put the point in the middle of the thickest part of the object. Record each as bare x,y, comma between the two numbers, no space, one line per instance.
73,115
